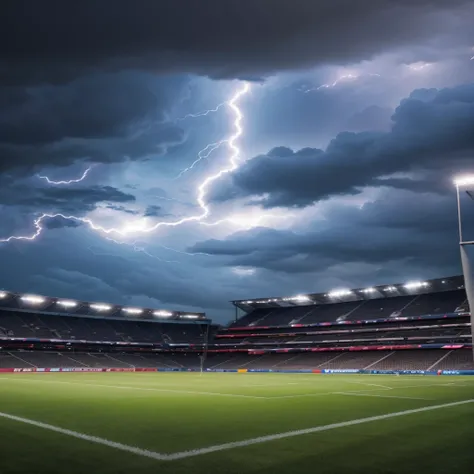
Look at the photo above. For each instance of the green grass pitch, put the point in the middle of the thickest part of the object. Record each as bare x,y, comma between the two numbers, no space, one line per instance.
214,423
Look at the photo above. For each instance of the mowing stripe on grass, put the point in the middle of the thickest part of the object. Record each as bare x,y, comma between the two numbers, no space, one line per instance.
290,434
221,447
126,387
356,394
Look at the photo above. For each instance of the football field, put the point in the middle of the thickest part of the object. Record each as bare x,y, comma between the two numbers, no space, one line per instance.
235,423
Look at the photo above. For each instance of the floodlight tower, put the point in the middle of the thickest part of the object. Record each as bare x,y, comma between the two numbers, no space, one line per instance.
467,184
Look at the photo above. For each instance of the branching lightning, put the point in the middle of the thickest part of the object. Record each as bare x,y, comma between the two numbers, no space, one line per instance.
70,181
203,113
344,78
202,155
140,227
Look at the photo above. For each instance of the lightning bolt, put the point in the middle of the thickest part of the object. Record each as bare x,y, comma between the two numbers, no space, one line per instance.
70,181
343,78
202,189
202,155
246,222
203,113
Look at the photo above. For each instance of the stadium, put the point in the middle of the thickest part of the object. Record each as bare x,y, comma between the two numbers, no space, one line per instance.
140,388
224,233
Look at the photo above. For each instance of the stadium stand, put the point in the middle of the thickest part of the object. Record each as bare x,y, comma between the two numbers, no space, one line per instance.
417,326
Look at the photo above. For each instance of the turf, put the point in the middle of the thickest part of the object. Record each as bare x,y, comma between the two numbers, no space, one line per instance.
175,412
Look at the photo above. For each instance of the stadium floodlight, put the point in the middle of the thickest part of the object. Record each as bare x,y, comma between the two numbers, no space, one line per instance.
248,302
132,310
390,288
100,307
368,290
190,316
3,294
339,293
67,303
414,285
301,298
163,314
467,180
33,299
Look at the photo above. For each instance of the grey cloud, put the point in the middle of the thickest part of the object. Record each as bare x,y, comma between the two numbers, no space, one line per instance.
430,133
401,226
54,41
103,118
115,207
68,200
155,211
99,106
152,141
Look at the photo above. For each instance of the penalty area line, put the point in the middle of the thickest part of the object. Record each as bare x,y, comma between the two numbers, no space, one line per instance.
220,447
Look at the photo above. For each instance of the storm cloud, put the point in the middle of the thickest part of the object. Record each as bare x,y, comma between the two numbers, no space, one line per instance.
223,40
432,131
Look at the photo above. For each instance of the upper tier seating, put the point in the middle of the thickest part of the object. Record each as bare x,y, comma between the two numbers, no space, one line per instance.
46,326
380,308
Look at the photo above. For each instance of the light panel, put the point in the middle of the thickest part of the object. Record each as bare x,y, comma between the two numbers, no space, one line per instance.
100,307
163,314
132,310
413,285
67,303
339,293
3,294
31,299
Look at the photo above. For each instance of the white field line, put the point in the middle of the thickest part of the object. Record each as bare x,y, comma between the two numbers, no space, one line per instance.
126,387
193,392
225,446
385,387
317,429
355,394
85,437
318,394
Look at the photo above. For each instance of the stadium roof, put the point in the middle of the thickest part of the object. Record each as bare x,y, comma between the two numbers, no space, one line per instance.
62,306
341,295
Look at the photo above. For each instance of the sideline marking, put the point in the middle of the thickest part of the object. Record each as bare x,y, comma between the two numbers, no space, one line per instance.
222,447
127,387
85,437
290,434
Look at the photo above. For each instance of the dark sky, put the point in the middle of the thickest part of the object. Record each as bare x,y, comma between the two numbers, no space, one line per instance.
332,166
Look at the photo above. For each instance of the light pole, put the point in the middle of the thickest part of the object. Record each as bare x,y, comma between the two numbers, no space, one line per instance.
465,182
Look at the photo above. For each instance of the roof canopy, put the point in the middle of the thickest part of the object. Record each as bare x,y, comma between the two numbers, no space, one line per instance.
342,295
